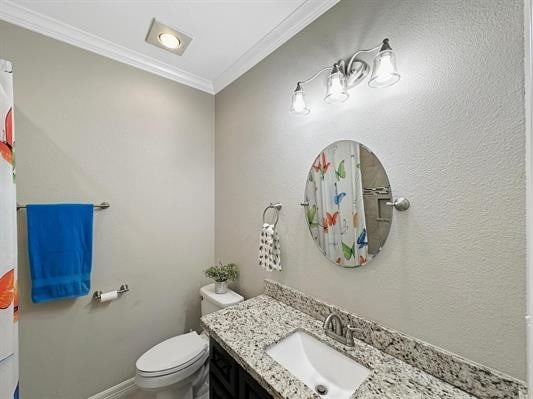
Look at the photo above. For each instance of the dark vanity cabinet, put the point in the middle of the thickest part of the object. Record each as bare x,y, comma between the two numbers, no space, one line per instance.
228,380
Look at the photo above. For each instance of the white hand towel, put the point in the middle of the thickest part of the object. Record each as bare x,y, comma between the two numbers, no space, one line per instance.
269,248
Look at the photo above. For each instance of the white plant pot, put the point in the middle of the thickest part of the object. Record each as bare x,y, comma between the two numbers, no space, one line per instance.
221,287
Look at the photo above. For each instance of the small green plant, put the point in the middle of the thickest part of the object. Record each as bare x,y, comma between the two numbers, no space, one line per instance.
222,272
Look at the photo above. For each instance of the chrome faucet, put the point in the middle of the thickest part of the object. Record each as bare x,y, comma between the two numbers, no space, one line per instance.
333,329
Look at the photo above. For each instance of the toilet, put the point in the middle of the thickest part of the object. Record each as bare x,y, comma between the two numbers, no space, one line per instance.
177,368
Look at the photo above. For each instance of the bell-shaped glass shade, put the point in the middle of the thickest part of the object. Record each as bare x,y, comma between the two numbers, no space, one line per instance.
298,102
384,71
336,88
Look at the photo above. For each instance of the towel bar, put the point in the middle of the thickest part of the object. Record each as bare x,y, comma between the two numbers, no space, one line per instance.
103,205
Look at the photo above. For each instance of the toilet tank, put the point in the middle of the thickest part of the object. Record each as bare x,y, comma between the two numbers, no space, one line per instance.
211,302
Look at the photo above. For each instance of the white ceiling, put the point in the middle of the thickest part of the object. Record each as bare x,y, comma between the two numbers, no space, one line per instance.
229,36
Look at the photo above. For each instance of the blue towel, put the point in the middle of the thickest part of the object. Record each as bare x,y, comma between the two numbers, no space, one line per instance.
60,241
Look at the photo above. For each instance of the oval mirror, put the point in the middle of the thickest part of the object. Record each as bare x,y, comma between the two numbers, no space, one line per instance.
346,199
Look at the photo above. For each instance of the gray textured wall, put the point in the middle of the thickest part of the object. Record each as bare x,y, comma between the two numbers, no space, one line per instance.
451,137
91,129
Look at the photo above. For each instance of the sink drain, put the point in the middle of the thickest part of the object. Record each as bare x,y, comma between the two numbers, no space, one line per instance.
321,389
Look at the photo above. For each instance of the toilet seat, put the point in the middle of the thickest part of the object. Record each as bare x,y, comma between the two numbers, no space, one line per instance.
184,376
173,355
190,364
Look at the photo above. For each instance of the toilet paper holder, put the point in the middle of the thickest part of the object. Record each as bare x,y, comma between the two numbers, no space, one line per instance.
97,296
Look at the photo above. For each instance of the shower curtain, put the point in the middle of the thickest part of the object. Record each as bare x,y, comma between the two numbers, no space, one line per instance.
8,241
335,191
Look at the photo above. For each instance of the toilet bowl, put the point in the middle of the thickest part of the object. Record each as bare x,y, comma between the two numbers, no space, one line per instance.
177,368
174,368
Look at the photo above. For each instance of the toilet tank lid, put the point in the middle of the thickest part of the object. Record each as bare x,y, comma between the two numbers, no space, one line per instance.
222,300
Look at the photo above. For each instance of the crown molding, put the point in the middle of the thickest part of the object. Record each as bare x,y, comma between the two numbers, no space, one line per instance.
37,22
286,29
291,25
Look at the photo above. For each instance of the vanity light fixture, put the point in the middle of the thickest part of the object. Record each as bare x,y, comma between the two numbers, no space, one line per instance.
344,76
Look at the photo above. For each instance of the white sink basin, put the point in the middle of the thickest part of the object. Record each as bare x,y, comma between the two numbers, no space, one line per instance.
316,364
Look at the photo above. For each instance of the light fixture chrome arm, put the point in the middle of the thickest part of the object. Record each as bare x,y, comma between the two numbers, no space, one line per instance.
352,59
298,105
301,82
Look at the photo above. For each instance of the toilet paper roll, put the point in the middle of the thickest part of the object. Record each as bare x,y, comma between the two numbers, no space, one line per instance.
109,296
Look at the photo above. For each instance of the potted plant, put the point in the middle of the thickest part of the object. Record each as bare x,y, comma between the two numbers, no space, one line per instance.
222,274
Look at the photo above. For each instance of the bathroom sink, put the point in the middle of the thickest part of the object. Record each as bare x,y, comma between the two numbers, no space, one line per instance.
323,369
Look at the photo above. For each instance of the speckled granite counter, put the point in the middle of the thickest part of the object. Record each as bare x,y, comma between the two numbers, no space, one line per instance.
247,329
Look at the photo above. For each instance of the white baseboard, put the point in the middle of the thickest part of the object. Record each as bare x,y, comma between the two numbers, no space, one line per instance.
118,391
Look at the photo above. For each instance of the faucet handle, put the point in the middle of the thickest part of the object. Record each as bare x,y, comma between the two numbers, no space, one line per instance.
349,334
352,329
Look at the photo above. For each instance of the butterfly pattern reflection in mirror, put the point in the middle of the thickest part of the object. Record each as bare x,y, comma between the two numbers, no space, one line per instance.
346,211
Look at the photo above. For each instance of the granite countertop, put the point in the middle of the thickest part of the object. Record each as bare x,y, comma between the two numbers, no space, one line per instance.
247,329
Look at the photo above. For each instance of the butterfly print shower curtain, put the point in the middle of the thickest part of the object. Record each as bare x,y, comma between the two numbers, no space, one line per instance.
8,241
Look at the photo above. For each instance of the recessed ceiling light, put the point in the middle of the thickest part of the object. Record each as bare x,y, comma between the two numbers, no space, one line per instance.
167,38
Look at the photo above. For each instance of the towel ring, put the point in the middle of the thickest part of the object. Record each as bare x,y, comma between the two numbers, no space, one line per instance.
277,208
